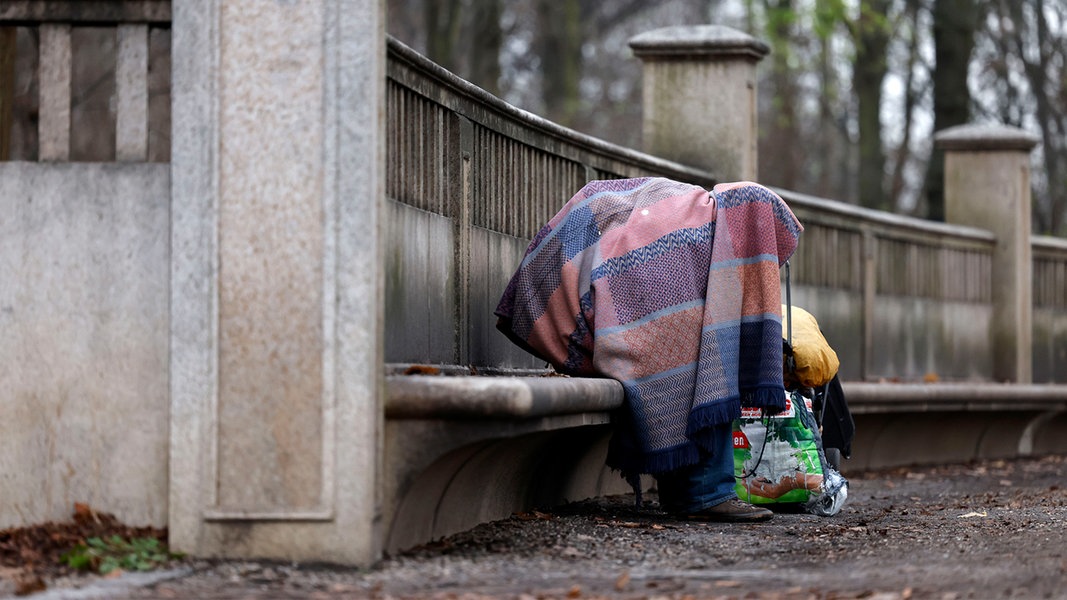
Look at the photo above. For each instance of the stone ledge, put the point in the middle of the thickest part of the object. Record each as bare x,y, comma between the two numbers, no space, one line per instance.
497,398
873,398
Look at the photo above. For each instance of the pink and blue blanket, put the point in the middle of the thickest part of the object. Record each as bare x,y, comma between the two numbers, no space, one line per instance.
671,290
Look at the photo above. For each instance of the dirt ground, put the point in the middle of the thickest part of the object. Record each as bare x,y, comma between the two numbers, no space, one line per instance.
993,529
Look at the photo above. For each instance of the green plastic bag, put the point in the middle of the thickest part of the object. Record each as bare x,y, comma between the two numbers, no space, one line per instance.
779,459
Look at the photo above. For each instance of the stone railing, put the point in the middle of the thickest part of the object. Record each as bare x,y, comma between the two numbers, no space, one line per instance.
100,89
1049,308
232,326
469,180
898,296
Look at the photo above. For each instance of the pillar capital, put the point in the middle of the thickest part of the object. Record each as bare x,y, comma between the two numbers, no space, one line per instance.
707,42
984,138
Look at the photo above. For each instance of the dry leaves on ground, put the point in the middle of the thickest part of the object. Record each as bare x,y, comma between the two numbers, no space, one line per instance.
31,556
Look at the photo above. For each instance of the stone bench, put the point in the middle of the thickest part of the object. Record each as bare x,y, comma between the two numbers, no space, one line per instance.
461,450
914,423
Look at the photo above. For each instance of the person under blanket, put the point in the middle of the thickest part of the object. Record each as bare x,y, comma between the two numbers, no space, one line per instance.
674,291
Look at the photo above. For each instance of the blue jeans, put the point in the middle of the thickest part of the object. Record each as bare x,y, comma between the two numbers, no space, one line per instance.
705,484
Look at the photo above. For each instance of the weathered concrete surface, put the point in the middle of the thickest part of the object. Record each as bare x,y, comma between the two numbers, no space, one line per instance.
84,289
55,82
276,339
507,398
910,337
462,450
987,185
699,97
1050,310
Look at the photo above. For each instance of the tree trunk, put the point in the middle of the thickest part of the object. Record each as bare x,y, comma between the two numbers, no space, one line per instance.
485,42
781,136
954,26
560,50
872,40
1047,119
903,153
442,32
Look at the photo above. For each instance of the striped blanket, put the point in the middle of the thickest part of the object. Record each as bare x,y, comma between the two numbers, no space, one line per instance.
671,290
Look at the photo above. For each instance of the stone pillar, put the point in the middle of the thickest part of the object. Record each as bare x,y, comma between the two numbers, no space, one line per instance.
699,97
987,185
276,279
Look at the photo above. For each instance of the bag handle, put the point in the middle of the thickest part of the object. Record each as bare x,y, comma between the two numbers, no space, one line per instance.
788,305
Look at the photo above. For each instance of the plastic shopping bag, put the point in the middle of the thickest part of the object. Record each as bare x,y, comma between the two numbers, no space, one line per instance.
779,459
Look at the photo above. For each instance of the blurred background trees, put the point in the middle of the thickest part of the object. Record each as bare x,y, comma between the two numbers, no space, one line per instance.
849,97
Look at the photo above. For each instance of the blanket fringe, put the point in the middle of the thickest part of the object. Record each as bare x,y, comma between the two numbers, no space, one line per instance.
674,458
709,415
769,397
658,462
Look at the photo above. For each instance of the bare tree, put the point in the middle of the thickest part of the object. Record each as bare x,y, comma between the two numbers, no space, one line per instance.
954,23
904,153
560,51
443,26
871,32
1021,59
486,38
1047,92
780,134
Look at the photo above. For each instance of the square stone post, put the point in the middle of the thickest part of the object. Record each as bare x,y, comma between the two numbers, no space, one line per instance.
276,279
987,185
699,97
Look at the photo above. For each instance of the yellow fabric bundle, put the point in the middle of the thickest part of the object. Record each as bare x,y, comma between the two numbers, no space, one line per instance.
816,361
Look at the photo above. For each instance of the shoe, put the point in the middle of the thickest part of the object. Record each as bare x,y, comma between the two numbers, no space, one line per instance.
731,511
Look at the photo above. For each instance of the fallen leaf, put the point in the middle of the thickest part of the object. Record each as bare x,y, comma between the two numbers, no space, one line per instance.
83,514
533,515
422,370
29,585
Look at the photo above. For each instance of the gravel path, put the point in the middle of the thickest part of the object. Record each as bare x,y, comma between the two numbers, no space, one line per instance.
995,529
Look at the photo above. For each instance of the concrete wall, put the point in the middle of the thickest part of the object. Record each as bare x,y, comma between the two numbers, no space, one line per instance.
84,289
